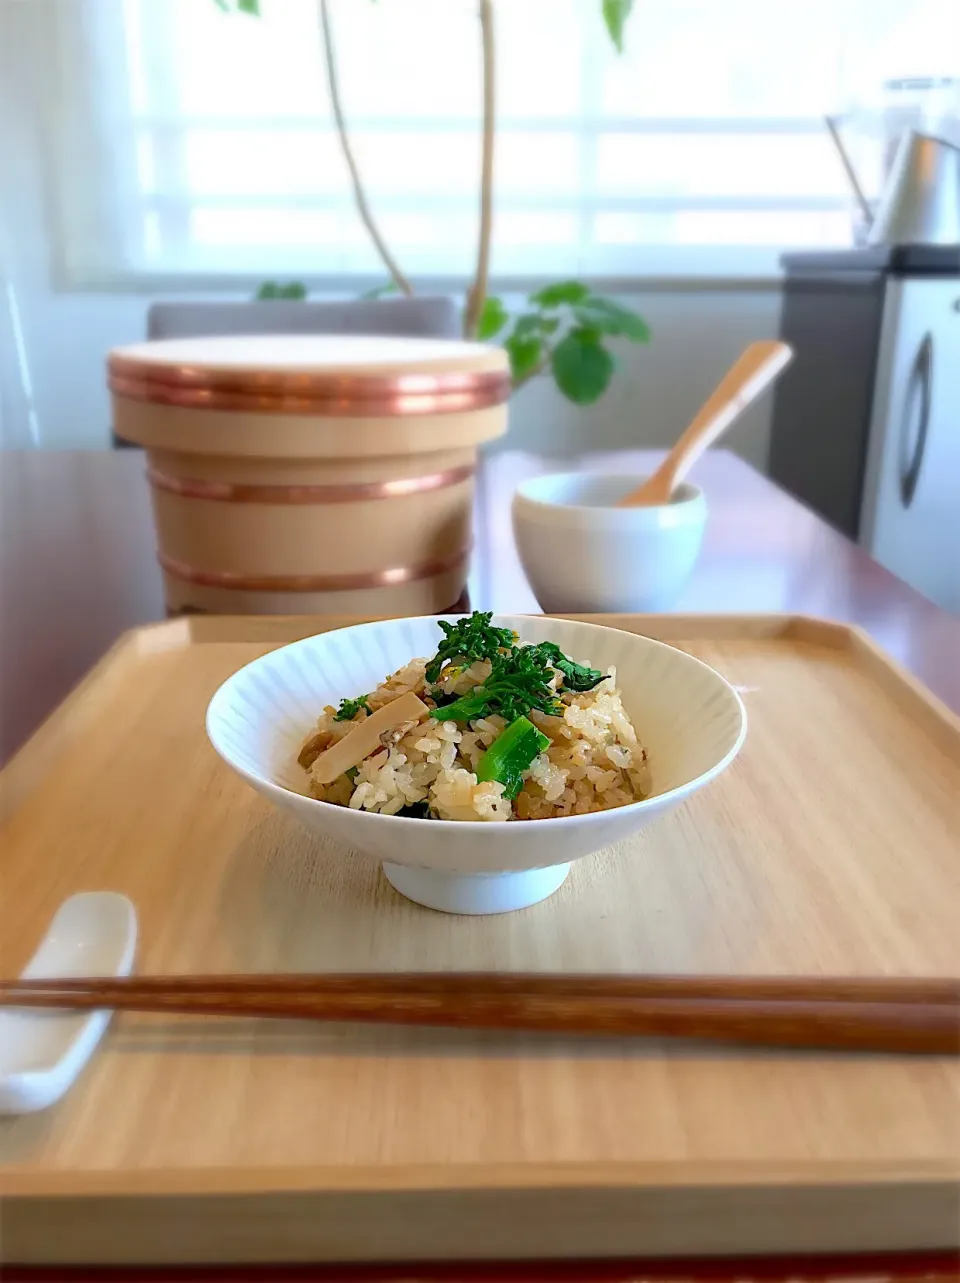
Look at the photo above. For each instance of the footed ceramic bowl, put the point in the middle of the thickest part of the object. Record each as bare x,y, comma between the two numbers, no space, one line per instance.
690,720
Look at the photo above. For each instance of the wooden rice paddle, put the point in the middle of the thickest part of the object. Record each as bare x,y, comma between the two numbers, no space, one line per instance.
755,369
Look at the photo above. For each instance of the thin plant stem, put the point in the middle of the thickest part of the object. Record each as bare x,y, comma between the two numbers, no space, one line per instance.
478,290
346,147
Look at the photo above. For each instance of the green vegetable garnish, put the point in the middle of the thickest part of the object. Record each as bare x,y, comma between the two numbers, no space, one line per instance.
576,677
470,639
464,709
416,811
441,697
349,708
518,682
511,754
519,679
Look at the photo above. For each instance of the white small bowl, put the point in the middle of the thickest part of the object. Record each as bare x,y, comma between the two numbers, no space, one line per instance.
582,554
691,721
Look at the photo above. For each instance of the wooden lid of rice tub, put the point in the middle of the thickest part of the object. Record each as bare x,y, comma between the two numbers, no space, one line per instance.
327,375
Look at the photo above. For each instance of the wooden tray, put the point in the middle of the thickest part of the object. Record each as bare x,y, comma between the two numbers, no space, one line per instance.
829,846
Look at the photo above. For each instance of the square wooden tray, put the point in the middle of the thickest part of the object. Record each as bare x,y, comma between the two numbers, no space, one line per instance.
831,845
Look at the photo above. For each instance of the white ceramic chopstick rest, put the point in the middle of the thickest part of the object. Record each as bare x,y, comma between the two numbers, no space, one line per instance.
42,1052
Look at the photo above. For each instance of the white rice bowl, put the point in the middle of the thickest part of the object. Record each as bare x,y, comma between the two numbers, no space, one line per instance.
688,718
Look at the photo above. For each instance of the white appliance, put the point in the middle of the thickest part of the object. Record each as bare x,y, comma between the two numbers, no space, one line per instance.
910,518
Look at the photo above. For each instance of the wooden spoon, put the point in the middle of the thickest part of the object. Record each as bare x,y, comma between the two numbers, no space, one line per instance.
752,371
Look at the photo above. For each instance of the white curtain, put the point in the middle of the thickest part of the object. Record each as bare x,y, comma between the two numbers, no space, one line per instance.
189,143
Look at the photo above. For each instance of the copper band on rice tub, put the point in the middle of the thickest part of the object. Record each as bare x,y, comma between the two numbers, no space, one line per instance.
356,492
332,395
309,583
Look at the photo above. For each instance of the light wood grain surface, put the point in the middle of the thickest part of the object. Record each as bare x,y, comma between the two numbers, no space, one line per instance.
830,846
78,566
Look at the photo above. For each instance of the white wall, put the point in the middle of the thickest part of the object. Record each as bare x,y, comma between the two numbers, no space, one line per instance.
696,332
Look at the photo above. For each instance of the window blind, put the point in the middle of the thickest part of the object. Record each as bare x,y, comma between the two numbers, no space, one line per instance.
194,143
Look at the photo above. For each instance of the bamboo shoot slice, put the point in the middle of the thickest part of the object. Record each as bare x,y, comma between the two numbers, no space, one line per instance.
365,737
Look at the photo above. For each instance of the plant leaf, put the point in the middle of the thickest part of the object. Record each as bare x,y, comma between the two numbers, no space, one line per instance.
582,366
608,317
525,355
493,317
271,290
615,15
380,291
528,324
535,323
560,293
251,7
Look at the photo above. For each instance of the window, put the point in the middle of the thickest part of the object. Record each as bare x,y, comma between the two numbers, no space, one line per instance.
197,143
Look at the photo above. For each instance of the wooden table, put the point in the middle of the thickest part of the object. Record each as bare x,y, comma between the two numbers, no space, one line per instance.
77,568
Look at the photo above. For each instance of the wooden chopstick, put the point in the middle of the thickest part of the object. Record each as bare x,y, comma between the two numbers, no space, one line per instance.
901,989
884,1014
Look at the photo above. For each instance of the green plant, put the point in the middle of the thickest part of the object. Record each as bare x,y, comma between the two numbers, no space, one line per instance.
565,327
615,15
293,290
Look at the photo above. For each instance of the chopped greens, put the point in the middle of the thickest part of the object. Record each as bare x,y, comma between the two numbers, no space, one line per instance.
521,677
576,677
349,708
472,638
416,811
441,697
519,682
464,709
511,754
479,671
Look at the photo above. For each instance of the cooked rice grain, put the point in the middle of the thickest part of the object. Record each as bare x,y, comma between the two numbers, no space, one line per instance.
594,761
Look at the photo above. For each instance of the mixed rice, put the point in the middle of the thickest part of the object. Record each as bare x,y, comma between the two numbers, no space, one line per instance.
566,745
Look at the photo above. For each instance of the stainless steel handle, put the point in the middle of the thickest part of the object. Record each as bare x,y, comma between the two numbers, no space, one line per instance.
919,384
